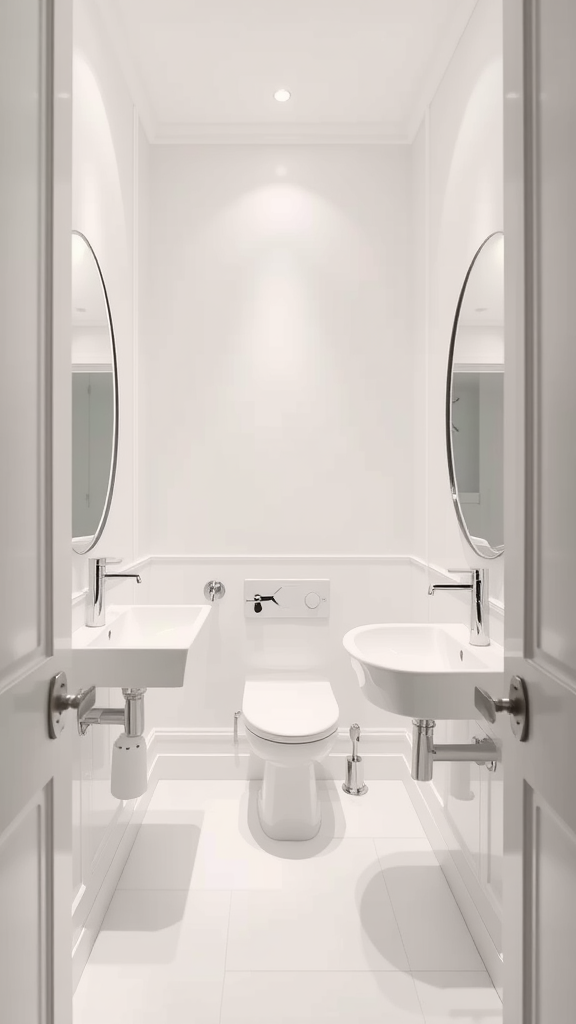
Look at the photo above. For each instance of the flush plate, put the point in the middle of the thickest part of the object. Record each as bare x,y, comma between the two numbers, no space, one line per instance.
287,599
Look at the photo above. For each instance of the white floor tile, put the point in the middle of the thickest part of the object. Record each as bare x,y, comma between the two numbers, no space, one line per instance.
385,810
433,930
320,998
193,795
345,926
218,843
314,932
458,998
182,815
164,851
159,959
235,861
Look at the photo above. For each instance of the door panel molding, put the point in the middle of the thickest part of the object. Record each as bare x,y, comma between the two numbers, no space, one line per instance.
26,868
31,647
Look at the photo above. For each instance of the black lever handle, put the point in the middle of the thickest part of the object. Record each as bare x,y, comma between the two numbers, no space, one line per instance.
258,599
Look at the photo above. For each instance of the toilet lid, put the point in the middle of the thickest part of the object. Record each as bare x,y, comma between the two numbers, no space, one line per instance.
290,712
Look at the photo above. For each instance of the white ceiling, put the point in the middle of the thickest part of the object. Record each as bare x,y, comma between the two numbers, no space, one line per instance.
207,69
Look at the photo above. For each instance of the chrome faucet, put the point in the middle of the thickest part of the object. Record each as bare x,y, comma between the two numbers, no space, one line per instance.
96,597
478,587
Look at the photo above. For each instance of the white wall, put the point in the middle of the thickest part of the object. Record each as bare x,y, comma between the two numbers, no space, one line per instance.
276,367
362,590
293,308
103,176
276,401
465,204
103,208
457,165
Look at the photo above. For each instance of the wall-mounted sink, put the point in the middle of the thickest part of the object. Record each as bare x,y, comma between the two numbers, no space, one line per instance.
140,646
423,670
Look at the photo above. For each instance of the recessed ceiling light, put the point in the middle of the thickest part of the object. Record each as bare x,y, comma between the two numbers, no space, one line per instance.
282,95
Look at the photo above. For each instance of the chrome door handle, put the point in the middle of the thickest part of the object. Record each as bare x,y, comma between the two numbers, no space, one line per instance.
515,704
60,701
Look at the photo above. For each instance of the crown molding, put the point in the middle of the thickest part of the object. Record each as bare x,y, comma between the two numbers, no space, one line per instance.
117,32
455,29
193,133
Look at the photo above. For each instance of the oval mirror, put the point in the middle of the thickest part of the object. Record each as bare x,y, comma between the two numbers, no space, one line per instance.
94,398
475,401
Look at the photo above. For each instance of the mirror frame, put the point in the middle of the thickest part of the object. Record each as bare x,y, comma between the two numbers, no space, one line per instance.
116,403
491,554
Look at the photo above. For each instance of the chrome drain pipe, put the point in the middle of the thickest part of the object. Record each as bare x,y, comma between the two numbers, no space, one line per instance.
425,752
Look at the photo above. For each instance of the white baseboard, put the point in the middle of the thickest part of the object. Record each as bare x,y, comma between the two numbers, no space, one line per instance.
212,754
476,909
92,902
200,754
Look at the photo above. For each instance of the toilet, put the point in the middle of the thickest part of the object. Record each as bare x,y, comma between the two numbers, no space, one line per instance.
290,725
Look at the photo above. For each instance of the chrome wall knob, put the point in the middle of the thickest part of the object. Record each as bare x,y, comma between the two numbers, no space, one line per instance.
214,590
515,705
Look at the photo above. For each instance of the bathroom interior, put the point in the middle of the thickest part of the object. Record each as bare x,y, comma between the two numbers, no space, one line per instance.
287,394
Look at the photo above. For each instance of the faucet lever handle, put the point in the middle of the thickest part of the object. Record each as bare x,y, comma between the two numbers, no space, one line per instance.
470,571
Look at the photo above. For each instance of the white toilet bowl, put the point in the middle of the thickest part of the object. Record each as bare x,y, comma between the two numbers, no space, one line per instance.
290,725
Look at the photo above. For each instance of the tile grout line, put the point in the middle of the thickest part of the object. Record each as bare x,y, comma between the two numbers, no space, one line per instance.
399,931
473,940
343,970
225,971
453,898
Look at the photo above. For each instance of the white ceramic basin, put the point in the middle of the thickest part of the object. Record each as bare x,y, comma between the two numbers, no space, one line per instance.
140,645
423,670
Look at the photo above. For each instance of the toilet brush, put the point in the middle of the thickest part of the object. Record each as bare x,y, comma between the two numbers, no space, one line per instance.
354,782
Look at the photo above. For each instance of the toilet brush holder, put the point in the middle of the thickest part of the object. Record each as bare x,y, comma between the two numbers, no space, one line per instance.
354,782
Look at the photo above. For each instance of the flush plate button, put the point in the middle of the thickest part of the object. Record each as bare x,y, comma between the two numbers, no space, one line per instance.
286,599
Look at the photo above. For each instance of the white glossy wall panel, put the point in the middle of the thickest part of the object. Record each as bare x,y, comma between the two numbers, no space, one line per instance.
103,197
104,191
465,205
276,370
458,185
418,292
235,648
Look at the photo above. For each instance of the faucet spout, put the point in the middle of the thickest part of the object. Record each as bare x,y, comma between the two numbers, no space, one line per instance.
448,586
96,596
123,576
478,588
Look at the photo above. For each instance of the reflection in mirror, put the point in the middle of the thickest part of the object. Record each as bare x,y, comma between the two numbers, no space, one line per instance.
94,398
475,401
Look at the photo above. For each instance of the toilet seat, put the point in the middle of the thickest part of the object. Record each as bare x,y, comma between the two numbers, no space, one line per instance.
290,712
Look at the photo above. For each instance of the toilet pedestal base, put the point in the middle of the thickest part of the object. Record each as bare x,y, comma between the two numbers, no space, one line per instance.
288,804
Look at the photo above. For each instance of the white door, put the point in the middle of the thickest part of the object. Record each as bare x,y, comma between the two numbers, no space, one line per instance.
35,772
540,774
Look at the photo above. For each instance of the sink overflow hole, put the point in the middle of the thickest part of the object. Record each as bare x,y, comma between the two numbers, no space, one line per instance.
461,655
